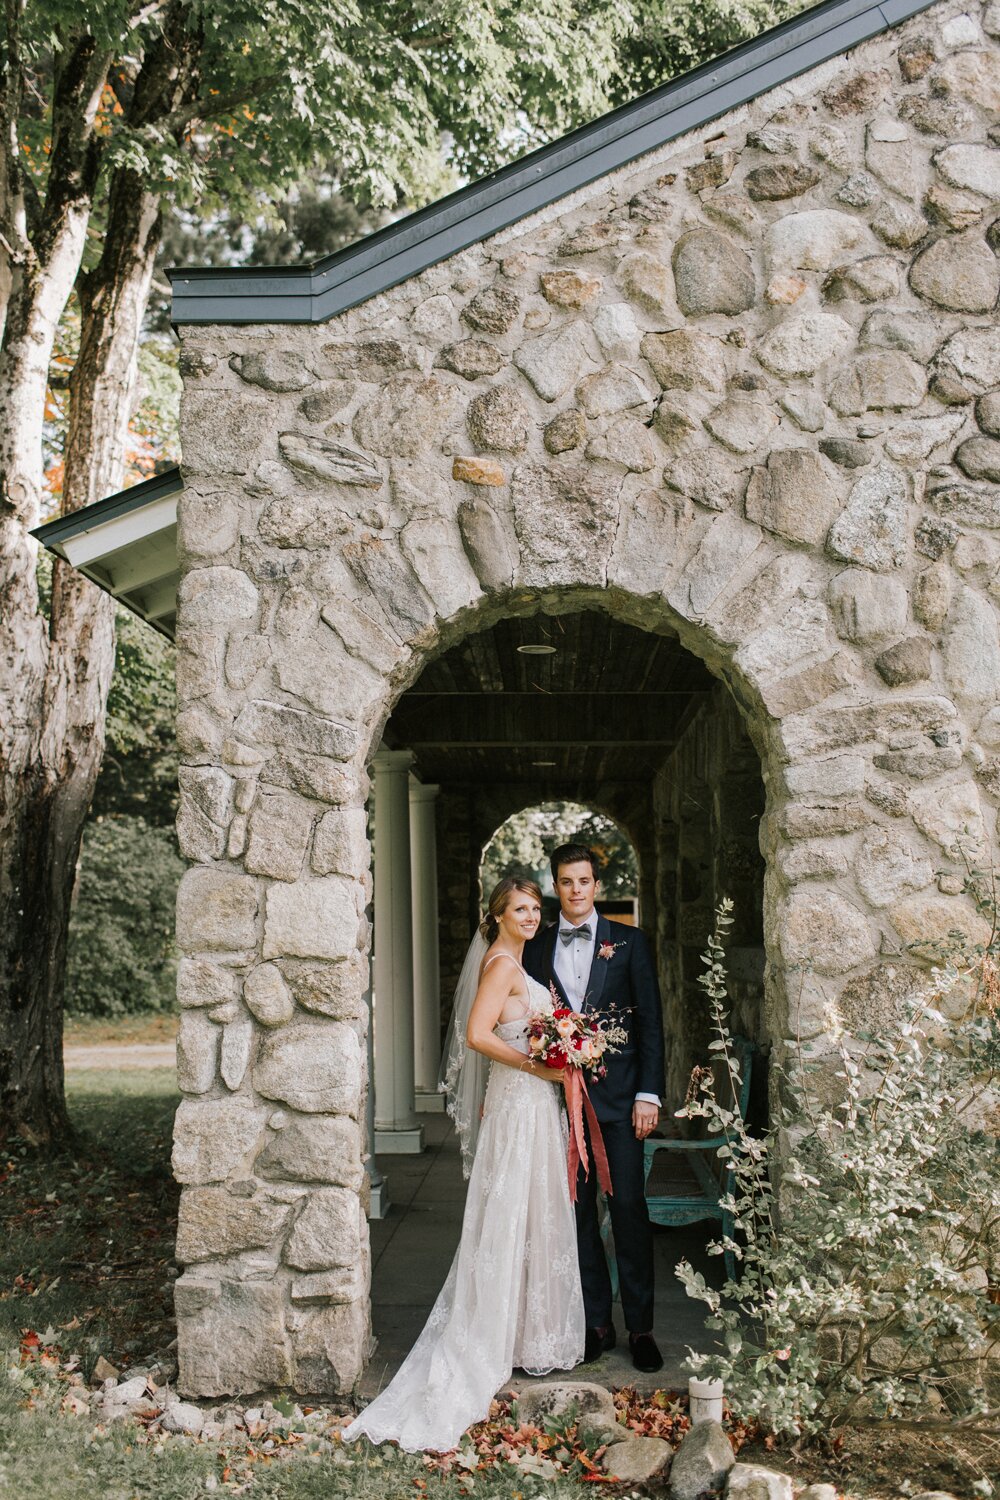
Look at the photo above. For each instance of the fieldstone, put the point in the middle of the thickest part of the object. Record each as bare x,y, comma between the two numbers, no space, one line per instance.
795,632
213,1136
686,360
830,144
378,564
888,155
678,418
278,835
314,1068
952,817
853,723
935,115
649,535
569,288
958,272
790,695
626,442
777,140
742,422
811,241
330,1346
899,225
303,520
276,725
711,275
734,210
836,776
815,859
324,402
472,358
407,416
590,238
565,517
326,1233
860,94
565,432
933,536
593,1405
181,1416
806,820
849,453
481,471
498,420
782,291
707,175
874,278
237,1044
914,441
207,525
974,356
927,925
201,983
806,410
553,362
216,596
859,191
493,310
311,919
224,432
754,1482
267,996
793,496
988,413
702,1461
728,543
616,329
647,281
961,31
214,1222
786,179
873,1002
886,868
340,845
216,909
321,458
953,207
615,388
979,458
322,1148
872,529
913,333
634,1460
231,1334
345,1284
489,543
878,380
972,649
371,359
907,661
799,346
971,75
708,476
867,608
973,167
434,317
968,506
197,1052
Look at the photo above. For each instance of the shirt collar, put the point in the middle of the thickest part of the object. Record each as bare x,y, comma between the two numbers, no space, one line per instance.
565,925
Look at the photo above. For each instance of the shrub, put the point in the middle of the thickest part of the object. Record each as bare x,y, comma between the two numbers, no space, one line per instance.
866,1228
121,957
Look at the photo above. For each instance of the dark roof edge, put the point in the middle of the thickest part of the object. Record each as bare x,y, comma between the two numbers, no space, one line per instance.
314,293
54,534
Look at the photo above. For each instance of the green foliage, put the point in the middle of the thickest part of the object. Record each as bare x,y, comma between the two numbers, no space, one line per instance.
525,841
868,1227
139,771
672,36
121,952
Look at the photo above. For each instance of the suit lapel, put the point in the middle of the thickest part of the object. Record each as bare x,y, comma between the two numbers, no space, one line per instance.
598,966
549,961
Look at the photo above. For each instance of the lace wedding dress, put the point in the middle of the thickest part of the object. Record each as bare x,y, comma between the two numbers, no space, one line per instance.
512,1297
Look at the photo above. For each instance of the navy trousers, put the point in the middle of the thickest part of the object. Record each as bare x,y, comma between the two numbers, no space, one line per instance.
632,1230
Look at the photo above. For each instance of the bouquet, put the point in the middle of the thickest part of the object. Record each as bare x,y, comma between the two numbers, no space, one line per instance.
563,1038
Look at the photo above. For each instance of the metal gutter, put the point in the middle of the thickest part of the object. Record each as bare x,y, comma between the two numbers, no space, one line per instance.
314,293
55,534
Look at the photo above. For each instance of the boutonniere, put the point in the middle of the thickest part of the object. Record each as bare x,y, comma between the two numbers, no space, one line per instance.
608,950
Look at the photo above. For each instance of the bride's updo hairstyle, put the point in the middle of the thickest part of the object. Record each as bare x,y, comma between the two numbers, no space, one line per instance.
499,897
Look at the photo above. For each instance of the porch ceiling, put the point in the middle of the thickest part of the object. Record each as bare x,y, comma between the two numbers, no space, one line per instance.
607,705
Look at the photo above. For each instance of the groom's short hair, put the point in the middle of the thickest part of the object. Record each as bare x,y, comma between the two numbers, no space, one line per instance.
572,854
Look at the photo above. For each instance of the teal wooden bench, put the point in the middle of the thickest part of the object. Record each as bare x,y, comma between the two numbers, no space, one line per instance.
685,1179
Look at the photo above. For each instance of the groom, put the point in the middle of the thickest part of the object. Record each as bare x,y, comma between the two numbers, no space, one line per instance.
606,969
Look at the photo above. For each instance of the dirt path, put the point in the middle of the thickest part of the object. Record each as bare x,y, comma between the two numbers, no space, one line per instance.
129,1055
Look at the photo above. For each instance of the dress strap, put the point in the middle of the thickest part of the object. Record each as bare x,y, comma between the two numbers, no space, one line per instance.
503,955
526,998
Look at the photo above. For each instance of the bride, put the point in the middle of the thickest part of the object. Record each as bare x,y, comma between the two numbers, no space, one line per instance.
512,1297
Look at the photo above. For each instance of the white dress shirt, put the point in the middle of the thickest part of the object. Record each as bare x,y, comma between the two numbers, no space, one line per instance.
572,963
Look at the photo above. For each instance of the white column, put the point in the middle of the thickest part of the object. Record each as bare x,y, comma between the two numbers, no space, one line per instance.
396,1127
426,967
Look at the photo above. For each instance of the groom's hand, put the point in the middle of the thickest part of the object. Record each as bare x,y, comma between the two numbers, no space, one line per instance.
645,1118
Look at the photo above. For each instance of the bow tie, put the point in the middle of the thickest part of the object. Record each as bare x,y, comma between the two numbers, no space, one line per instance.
567,934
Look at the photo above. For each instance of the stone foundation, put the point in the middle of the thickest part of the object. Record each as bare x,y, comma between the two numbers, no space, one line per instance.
744,391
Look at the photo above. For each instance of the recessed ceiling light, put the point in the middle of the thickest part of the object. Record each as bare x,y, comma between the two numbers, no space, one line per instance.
537,650
543,762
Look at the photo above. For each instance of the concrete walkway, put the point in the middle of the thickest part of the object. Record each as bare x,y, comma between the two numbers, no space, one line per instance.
413,1247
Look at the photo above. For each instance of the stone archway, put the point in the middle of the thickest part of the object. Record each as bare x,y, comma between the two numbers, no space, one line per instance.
702,396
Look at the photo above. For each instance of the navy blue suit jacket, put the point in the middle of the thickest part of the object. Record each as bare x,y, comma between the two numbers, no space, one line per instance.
623,991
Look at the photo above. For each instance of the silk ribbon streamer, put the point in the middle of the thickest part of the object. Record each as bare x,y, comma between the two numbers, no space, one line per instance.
578,1101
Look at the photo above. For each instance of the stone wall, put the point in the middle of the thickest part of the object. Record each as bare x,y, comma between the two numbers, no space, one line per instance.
747,391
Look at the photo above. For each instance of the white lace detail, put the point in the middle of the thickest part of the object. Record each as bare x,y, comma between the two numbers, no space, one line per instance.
512,1297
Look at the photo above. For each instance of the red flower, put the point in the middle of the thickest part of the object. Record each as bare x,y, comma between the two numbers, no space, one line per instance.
556,1058
557,1015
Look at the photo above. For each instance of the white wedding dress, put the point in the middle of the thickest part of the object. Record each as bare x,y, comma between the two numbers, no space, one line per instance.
512,1297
